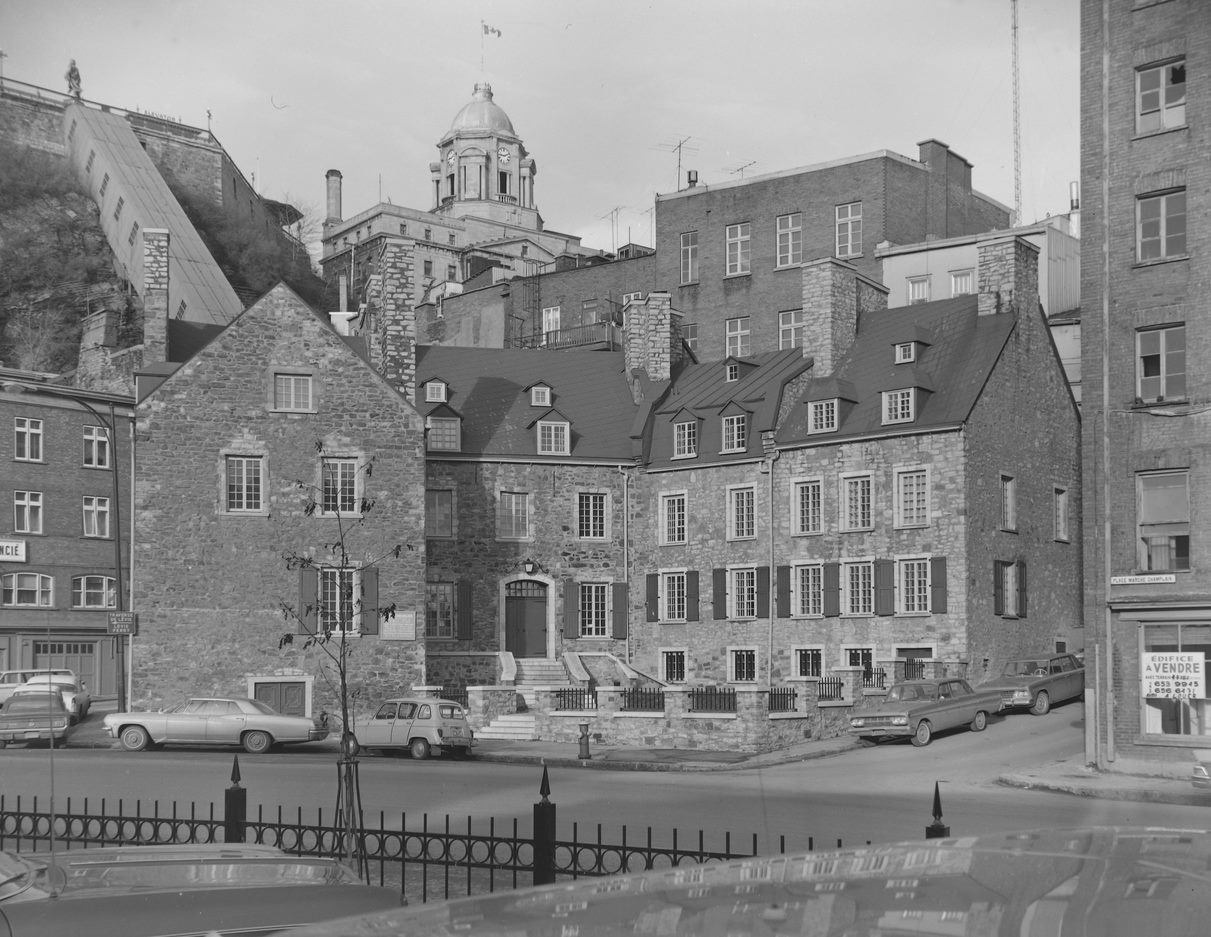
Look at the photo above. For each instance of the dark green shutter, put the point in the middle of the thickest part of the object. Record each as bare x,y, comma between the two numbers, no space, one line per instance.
571,609
1021,588
832,589
937,584
719,598
885,587
308,610
691,595
463,610
369,600
621,609
653,596
763,592
783,593
998,588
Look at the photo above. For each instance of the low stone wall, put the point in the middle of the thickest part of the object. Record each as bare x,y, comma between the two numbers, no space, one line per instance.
485,703
463,668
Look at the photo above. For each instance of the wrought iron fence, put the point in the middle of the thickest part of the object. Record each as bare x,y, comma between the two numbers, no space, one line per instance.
832,688
643,699
713,699
874,679
455,694
914,668
782,699
577,698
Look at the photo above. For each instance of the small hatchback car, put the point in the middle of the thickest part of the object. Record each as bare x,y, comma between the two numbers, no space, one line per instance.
422,726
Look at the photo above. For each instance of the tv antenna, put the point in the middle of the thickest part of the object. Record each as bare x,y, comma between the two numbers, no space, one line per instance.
612,214
739,170
680,146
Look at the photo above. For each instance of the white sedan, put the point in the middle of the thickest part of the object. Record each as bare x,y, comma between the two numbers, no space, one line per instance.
213,721
70,688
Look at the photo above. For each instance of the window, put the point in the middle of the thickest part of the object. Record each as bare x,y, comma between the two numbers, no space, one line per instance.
672,665
1163,514
805,508
337,610
809,662
741,513
451,270
906,352
912,586
243,483
181,309
104,185
737,331
742,665
513,515
439,610
743,597
1160,97
912,498
1161,364
428,235
962,282
1160,226
134,233
822,416
849,229
918,290
435,392
1060,499
592,609
790,239
1009,589
735,433
732,373
737,239
1009,503
540,396
898,406
439,512
450,238
93,592
292,392
427,269
689,335
857,588
790,329
27,512
855,502
403,229
672,596
118,208
672,518
27,590
1162,714
338,485
444,433
550,323
27,439
685,439
96,516
689,257
92,155
552,437
807,590
591,515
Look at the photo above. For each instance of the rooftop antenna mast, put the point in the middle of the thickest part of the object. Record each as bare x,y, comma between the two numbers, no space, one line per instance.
1017,133
739,170
612,214
678,147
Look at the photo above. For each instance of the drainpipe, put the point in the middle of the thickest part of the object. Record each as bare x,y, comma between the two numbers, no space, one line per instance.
626,551
767,469
1105,702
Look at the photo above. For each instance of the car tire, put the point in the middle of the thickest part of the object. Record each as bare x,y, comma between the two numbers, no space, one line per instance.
419,749
1042,704
134,738
980,722
257,742
923,735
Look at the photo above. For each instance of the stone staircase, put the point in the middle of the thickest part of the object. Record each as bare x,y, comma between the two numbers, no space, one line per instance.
520,726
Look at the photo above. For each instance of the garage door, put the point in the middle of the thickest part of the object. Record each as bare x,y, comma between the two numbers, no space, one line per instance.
77,656
290,699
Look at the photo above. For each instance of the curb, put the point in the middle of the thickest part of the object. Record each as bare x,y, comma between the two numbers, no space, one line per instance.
1099,792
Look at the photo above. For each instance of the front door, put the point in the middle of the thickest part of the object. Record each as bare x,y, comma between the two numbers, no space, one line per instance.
526,618
290,698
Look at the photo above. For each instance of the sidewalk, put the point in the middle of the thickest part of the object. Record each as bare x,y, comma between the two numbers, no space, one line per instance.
1069,776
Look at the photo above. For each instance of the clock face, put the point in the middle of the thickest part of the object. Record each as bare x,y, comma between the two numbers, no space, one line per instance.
451,158
503,155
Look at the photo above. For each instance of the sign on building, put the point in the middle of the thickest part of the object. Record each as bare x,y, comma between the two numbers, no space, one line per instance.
12,551
1174,675
123,623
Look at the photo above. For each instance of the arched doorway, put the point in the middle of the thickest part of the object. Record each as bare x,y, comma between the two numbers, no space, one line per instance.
526,618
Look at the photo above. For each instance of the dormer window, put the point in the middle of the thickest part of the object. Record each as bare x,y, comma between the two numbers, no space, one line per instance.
435,392
906,352
685,439
735,433
822,416
444,434
733,372
899,406
540,396
552,437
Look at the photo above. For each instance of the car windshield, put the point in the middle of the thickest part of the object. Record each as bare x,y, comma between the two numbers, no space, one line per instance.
33,704
906,692
1022,668
263,708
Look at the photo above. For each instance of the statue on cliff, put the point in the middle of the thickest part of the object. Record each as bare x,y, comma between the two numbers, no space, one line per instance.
73,80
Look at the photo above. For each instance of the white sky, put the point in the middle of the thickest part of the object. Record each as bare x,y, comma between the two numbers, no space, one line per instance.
599,91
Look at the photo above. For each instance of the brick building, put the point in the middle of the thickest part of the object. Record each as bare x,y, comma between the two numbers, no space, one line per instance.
1146,270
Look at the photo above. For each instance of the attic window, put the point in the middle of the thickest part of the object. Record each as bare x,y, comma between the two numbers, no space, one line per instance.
443,433
435,392
540,396
733,372
822,416
552,437
906,352
899,406
918,290
525,250
735,433
685,439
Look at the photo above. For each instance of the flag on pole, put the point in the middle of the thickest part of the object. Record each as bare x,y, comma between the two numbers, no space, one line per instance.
489,30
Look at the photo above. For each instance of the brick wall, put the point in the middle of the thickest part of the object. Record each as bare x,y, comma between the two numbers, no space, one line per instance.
26,121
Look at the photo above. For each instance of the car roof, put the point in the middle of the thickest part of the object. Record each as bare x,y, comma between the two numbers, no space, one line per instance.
421,699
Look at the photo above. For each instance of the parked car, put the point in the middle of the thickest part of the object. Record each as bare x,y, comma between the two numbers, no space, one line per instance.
213,721
1201,778
421,726
1039,682
33,717
70,688
918,708
11,679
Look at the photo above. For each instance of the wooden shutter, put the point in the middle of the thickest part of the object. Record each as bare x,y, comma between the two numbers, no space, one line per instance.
621,609
782,598
653,596
691,595
1021,588
308,610
832,589
719,599
571,609
763,592
885,587
369,598
462,606
998,588
937,584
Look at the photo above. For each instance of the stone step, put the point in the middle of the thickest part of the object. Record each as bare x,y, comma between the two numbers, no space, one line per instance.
516,727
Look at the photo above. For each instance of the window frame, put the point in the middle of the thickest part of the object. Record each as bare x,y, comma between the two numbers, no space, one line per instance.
435,510
922,513
733,430
96,447
905,352
44,586
28,435
737,336
1163,108
540,395
817,410
284,392
244,459
788,230
341,489
739,609
899,406
918,289
807,590
1144,549
32,507
451,428
593,609
802,654
519,516
1062,515
674,652
910,600
95,509
685,439
668,499
1009,503
857,588
737,249
108,590
324,575
848,506
674,606
435,392
1162,237
790,329
1164,334
962,282
848,229
553,437
751,663
742,512
689,257
597,504
435,629
802,513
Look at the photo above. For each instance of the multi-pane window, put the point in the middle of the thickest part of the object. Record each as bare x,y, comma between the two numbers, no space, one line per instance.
550,322
809,662
737,240
593,613
790,329
1160,97
906,352
96,516
742,662
689,257
737,333
741,514
898,406
1160,226
338,484
118,209
439,609
27,439
1060,496
1163,714
912,498
732,372
104,185
805,510
685,439
744,593
849,229
1009,503
27,512
1009,589
855,502
807,590
689,335
93,592
918,290
591,515
822,416
863,657
552,437
435,392
336,598
672,596
134,233
962,282
673,665
243,482
292,392
439,512
513,515
913,586
1163,518
790,239
735,433
540,396
1161,364
444,434
96,447
672,518
27,590
857,588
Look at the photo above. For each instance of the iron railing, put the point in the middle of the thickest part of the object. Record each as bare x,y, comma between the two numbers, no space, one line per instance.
455,694
713,699
832,688
782,699
874,679
603,333
643,699
577,699
914,668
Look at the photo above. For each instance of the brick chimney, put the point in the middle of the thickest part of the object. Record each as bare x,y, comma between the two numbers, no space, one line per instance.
651,337
394,354
155,295
333,179
835,295
1007,275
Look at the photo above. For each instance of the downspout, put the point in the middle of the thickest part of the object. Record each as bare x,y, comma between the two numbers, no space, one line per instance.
1106,665
626,551
767,466
128,663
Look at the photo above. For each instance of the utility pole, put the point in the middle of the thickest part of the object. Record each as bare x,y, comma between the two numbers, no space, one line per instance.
1017,134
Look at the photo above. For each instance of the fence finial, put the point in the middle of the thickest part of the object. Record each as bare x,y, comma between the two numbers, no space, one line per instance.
545,787
937,829
235,770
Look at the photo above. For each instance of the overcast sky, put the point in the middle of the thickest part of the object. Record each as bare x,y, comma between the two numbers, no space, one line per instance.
600,92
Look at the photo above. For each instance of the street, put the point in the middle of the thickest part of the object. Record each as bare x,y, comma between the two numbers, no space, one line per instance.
878,794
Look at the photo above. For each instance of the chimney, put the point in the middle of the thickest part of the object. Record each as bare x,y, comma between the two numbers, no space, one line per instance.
155,295
334,196
691,178
1007,275
651,338
835,295
343,282
396,345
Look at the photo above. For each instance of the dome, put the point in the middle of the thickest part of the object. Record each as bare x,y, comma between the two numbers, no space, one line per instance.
482,113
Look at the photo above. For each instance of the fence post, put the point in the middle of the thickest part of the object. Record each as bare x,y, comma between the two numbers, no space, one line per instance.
544,835
235,807
937,829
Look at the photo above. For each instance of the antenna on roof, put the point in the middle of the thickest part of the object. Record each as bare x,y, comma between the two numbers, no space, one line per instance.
1017,135
739,170
678,147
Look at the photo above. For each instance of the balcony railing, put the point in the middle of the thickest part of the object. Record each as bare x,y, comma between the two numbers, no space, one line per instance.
596,333
713,699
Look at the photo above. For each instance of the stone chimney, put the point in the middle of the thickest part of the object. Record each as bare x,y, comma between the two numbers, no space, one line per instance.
1007,275
651,337
835,295
334,178
395,352
155,295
